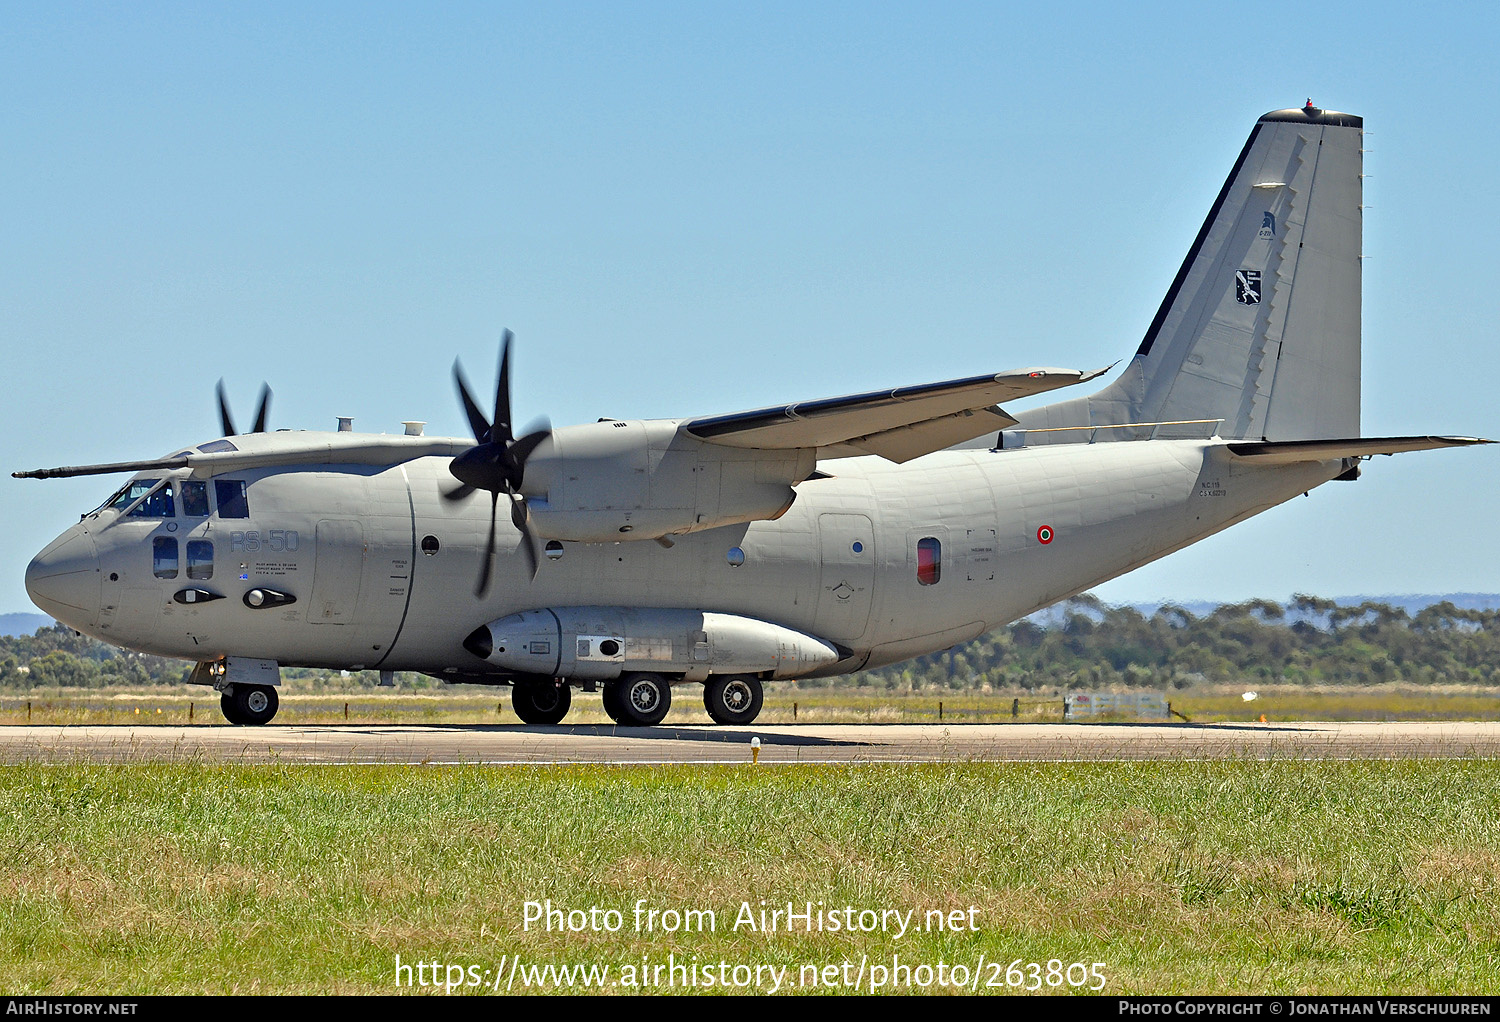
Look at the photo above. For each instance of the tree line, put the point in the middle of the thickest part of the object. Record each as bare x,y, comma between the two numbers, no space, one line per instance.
1085,644
1307,641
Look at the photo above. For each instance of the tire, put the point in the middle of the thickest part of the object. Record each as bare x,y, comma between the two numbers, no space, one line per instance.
733,698
644,699
541,702
613,698
249,704
226,707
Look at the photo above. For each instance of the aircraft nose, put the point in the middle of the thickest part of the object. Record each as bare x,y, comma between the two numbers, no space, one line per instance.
64,578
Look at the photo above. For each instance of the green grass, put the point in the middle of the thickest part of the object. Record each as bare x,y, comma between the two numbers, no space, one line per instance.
1311,877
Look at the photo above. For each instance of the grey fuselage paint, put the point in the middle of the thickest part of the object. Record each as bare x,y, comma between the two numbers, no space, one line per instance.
1103,510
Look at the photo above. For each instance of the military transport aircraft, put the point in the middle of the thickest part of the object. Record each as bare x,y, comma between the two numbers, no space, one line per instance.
811,539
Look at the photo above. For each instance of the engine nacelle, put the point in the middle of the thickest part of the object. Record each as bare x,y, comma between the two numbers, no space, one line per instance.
601,643
613,481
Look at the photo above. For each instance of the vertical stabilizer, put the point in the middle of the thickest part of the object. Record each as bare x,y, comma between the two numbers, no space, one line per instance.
1261,326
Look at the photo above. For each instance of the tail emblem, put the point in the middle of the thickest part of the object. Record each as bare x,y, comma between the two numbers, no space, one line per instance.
1267,226
1247,287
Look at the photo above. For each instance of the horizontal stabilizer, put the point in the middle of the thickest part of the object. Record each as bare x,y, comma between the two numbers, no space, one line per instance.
1289,452
899,424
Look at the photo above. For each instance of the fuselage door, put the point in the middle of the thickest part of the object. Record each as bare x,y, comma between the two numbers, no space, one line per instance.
847,544
339,563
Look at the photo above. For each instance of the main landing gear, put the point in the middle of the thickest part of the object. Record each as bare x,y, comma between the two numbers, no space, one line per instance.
733,698
248,704
541,702
638,700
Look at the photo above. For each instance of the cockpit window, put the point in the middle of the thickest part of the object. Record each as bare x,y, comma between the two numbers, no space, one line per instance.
230,494
194,499
158,504
216,446
130,493
109,501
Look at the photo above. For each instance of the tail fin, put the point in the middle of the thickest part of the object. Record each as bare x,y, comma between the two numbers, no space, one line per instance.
1261,327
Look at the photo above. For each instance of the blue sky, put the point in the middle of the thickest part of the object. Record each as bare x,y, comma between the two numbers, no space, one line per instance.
686,209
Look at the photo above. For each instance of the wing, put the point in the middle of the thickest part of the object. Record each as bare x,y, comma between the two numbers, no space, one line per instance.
256,450
899,424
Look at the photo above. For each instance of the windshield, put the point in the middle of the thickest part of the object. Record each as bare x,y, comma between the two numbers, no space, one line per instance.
129,494
158,502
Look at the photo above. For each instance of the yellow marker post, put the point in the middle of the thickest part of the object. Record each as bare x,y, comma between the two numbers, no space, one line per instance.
754,751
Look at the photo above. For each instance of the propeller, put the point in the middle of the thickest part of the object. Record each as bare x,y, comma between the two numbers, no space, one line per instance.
227,421
497,462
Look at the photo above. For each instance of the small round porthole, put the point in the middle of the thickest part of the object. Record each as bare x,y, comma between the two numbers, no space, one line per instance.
736,557
553,549
429,545
858,547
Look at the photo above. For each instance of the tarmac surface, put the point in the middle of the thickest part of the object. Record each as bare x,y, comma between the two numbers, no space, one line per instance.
781,744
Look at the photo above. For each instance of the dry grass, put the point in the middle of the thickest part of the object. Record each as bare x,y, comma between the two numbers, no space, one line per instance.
784,703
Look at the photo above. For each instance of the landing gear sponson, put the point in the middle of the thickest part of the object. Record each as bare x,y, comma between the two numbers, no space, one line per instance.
638,654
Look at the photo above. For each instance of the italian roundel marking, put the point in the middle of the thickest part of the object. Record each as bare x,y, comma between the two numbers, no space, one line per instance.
1044,535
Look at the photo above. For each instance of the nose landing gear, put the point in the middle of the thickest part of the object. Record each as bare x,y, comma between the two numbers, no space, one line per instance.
248,704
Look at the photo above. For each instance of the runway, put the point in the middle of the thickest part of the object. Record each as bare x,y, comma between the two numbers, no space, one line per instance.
780,745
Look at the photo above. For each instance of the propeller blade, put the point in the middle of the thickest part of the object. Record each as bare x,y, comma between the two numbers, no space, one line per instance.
489,549
497,461
501,433
518,519
225,419
263,410
522,449
477,422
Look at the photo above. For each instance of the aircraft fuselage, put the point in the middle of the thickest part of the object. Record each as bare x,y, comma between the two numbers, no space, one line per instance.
884,561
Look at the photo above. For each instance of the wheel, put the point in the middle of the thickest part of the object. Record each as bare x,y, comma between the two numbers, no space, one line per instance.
614,701
645,699
541,702
249,704
733,698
